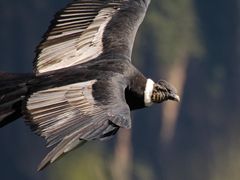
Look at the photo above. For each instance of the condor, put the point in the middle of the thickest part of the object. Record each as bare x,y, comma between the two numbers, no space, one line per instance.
84,85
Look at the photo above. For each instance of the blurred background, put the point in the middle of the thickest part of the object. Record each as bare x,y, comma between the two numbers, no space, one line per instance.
195,45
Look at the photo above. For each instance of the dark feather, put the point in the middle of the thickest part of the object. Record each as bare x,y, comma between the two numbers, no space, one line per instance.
13,88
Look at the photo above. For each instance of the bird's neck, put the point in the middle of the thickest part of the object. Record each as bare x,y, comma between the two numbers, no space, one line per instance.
138,93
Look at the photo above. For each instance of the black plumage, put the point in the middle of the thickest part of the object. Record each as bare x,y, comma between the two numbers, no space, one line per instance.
84,85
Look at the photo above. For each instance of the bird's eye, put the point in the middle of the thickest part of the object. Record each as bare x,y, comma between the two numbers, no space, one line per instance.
161,88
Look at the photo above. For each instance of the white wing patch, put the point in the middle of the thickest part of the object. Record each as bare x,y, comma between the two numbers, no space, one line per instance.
76,50
55,109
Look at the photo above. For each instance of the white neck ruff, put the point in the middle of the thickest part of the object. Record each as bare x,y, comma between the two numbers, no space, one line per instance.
148,92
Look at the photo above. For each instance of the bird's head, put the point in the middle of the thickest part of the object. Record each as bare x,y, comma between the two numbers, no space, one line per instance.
159,92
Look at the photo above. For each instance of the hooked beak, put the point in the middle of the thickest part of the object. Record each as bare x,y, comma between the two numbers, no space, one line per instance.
174,97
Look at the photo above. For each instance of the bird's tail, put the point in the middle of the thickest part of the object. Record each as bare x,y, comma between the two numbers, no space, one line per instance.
13,88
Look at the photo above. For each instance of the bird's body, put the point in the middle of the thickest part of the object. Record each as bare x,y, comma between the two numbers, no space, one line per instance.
84,84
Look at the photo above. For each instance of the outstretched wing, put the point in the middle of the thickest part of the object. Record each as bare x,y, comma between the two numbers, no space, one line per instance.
69,115
87,29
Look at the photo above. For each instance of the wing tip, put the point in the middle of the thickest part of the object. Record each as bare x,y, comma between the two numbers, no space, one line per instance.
42,165
56,153
46,161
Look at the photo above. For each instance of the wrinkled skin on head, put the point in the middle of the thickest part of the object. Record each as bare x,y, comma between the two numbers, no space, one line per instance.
163,91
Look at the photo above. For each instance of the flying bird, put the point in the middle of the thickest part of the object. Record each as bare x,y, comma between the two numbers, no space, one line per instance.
83,85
